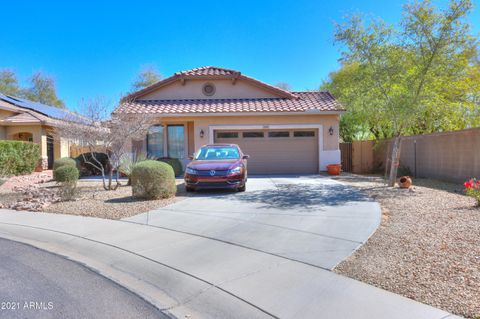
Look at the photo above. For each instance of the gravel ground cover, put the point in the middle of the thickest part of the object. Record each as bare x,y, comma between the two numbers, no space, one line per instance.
427,247
32,192
93,201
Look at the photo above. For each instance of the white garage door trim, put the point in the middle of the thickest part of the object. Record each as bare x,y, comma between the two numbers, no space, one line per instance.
324,157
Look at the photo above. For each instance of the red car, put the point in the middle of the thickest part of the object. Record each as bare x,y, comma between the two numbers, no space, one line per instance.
217,166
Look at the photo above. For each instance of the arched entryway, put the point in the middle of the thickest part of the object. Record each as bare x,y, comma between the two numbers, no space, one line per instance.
23,136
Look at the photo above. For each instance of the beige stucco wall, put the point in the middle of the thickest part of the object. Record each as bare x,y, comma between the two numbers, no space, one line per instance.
194,125
64,147
330,142
192,89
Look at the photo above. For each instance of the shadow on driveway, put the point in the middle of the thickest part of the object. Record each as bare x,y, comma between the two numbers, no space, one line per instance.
304,196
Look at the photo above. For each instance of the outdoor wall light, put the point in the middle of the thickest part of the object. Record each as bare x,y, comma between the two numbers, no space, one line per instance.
330,130
202,133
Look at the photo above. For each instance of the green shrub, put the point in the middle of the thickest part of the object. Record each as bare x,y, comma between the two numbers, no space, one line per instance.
153,180
67,176
64,161
17,158
66,173
87,169
174,163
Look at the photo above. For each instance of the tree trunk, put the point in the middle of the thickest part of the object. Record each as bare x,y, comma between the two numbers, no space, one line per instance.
117,179
395,160
110,177
103,179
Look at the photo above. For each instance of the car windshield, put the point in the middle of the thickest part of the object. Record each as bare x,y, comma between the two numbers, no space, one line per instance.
218,153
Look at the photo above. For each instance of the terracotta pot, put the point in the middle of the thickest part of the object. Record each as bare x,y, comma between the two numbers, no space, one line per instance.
334,169
405,182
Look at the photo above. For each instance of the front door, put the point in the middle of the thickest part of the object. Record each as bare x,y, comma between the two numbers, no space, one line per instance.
50,151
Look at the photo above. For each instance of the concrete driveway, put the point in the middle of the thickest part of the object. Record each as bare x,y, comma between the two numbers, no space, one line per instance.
258,254
309,219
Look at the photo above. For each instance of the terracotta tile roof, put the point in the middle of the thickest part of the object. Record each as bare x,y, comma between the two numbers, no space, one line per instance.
208,70
304,102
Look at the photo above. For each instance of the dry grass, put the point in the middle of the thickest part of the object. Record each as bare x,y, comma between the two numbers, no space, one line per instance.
427,247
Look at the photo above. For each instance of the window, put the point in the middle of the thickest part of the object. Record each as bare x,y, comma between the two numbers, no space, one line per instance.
155,141
208,89
279,134
227,135
218,153
303,133
176,141
252,134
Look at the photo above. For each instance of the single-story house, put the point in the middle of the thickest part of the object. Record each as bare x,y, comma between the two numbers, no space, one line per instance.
29,121
283,132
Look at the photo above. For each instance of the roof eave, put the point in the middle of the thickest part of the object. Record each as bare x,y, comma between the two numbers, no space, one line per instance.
213,114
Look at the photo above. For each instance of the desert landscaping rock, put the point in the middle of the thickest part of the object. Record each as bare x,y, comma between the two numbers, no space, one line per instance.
34,198
39,193
93,201
26,180
25,192
427,247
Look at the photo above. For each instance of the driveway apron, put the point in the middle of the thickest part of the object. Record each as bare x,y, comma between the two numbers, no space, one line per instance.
309,219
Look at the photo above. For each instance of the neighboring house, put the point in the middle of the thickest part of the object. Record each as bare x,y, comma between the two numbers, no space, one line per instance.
24,120
283,132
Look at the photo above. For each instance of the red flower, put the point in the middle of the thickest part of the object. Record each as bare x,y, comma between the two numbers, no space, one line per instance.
468,184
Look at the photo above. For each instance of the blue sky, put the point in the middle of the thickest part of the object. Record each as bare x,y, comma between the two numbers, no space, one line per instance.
95,48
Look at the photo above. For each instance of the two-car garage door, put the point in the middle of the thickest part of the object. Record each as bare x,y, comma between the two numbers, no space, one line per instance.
276,151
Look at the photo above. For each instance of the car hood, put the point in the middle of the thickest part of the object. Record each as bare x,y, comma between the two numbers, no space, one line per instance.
220,165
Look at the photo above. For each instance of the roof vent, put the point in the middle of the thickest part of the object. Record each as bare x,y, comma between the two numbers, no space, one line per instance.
208,89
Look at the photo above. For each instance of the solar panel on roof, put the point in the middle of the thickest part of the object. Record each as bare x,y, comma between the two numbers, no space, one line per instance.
50,111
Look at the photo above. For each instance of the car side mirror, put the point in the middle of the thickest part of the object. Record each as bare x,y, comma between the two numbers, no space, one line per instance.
190,157
246,156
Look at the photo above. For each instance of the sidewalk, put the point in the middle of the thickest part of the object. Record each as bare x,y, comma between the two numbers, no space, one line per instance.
184,274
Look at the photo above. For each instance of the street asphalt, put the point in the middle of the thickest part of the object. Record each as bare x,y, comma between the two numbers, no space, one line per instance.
37,284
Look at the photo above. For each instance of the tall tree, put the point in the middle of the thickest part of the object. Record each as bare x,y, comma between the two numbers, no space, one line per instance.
351,86
8,82
411,72
42,89
147,76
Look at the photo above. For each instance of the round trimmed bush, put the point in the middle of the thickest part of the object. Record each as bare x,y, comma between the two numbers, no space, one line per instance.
66,174
64,161
61,162
153,180
174,163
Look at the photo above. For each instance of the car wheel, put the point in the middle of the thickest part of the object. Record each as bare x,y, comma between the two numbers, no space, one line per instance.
189,189
242,189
